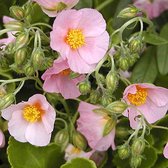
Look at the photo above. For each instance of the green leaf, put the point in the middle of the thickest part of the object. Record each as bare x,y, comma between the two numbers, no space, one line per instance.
160,135
162,162
84,4
146,68
79,162
162,53
150,157
24,155
154,39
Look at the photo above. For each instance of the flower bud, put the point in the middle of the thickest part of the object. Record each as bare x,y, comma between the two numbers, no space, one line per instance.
17,12
122,132
14,26
129,12
84,87
20,56
124,151
106,100
111,123
28,69
48,63
61,6
112,81
132,59
7,100
79,140
138,146
101,111
123,63
21,40
117,107
2,91
38,59
62,138
135,161
135,45
94,96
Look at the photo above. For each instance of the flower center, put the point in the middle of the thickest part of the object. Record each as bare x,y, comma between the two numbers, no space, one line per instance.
75,150
75,38
32,113
65,72
139,97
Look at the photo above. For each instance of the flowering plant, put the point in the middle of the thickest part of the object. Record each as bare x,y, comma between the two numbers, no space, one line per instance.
83,83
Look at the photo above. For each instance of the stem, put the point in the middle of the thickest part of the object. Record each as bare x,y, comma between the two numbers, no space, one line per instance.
159,127
65,105
126,81
75,117
62,120
42,24
19,88
103,5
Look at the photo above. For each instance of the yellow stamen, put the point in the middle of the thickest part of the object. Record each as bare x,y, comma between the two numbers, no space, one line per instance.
32,113
65,72
139,97
75,151
75,38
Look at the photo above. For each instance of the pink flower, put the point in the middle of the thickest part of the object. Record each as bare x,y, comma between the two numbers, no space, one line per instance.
152,8
165,151
2,139
11,37
92,125
57,80
31,121
52,7
72,152
147,100
80,37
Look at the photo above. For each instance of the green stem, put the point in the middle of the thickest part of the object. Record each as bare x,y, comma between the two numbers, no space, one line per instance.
19,87
103,5
159,127
42,24
64,103
62,120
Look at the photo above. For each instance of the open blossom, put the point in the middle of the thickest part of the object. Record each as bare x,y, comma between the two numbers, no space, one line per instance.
2,139
57,80
165,151
72,152
92,125
147,100
31,121
81,38
11,37
153,8
52,7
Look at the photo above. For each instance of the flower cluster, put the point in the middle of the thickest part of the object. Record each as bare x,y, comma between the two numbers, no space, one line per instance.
84,95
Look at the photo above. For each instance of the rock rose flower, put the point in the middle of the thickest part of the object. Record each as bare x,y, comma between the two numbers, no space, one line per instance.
81,38
31,121
57,80
165,151
52,7
92,125
147,100
72,152
2,139
153,8
5,41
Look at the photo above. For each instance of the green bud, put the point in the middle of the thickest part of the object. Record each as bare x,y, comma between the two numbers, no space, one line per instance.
17,12
133,59
7,100
28,69
47,63
117,55
21,40
117,107
135,45
111,123
101,111
112,81
135,161
94,96
121,132
62,138
14,26
38,59
2,91
79,140
85,87
124,151
106,100
123,63
20,56
129,12
138,146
